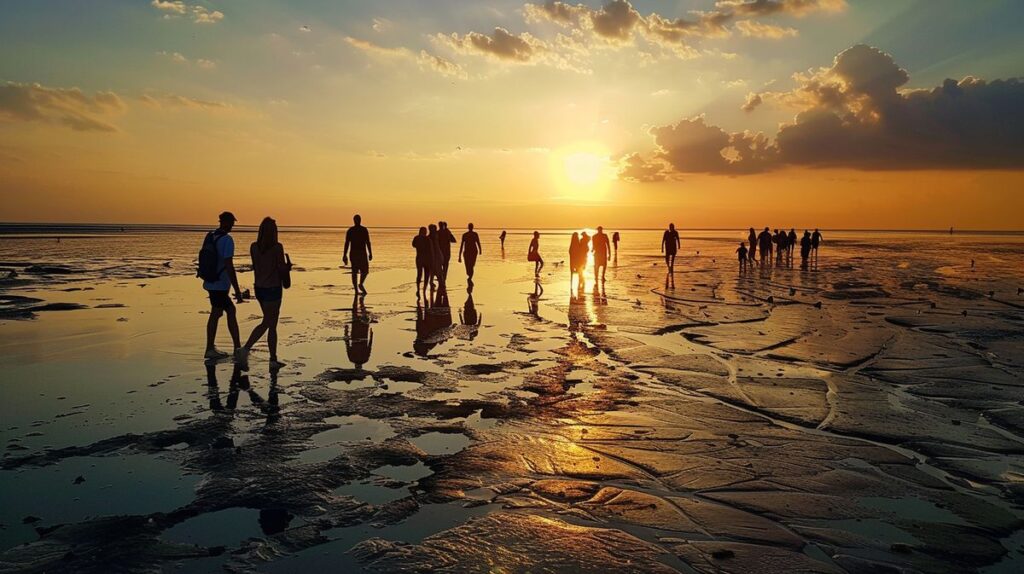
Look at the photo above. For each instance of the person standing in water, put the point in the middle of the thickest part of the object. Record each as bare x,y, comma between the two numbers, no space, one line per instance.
805,249
434,235
424,259
359,251
445,240
218,280
741,252
574,259
752,242
791,243
272,269
615,243
470,247
670,244
816,239
764,240
533,254
584,250
602,251
502,239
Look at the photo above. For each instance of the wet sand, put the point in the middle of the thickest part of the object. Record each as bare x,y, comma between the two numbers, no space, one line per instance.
864,415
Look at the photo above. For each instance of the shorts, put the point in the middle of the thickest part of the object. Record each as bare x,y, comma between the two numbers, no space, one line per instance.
269,294
220,300
360,266
671,252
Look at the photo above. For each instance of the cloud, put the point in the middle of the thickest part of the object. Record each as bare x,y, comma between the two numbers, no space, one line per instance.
424,59
381,25
773,7
857,114
502,44
179,58
178,8
634,167
66,106
752,29
178,102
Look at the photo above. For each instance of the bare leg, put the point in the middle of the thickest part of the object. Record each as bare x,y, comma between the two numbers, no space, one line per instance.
211,326
273,312
258,331
233,328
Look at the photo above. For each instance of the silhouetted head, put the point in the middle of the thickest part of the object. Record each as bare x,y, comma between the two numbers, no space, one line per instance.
791,230
815,229
536,234
751,229
432,227
575,236
357,219
267,236
227,220
423,231
584,235
743,243
806,233
600,229
442,224
671,226
470,226
766,229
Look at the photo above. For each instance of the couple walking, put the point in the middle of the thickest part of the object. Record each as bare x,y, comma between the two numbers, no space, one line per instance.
580,246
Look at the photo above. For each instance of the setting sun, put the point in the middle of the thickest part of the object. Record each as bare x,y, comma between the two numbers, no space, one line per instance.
582,171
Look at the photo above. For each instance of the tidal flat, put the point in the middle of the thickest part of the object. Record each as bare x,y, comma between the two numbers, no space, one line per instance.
863,415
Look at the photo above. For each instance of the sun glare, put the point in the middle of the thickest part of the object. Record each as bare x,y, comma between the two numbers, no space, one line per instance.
581,171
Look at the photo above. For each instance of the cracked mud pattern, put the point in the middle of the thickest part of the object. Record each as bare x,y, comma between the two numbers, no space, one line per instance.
863,416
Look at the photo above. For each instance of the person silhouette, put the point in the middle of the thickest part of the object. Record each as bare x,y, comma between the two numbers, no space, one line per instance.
469,317
791,241
670,244
221,247
272,269
533,254
434,235
575,255
752,242
533,299
816,239
424,259
584,250
805,249
470,248
358,334
764,240
502,239
615,243
359,251
741,252
444,242
602,251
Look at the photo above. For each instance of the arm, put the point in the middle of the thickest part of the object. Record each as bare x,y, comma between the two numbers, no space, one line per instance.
608,248
230,267
679,243
479,247
369,247
462,244
663,238
344,251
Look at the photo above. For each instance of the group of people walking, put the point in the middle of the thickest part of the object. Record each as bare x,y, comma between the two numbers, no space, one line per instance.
433,245
780,244
581,246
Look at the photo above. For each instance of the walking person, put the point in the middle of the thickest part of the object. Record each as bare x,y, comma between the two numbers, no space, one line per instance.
791,242
574,259
752,242
470,248
424,259
741,253
444,243
502,239
805,249
816,239
764,240
670,244
358,249
615,243
434,235
602,251
217,269
584,251
533,254
272,269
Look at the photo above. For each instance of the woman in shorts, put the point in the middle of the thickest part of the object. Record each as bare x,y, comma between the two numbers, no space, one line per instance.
272,269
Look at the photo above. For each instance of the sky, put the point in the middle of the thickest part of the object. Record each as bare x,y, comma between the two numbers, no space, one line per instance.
902,114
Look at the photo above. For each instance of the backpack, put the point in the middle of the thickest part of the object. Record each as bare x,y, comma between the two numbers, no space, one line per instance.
209,267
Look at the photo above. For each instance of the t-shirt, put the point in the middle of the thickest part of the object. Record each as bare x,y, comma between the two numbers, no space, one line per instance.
469,240
671,240
268,267
225,250
600,246
424,252
358,238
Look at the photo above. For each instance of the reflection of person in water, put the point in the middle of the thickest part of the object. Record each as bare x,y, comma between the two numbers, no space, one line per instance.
469,317
533,254
424,259
533,300
433,322
469,248
358,334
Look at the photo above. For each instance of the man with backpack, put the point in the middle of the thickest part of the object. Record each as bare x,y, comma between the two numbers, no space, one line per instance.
218,274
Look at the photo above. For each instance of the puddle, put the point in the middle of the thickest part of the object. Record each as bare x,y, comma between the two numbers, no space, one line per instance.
409,473
478,422
437,443
354,428
113,485
228,527
390,387
371,492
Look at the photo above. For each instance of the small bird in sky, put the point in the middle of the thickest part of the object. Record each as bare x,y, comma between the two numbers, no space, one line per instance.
305,28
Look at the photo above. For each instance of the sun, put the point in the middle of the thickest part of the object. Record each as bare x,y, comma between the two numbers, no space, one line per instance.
581,171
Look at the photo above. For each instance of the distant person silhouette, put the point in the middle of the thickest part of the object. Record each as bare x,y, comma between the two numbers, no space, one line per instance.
358,334
533,254
424,259
816,239
585,250
217,269
576,256
470,248
358,249
670,244
502,238
791,242
615,243
764,240
272,270
779,244
602,251
805,248
741,252
444,243
752,242
435,254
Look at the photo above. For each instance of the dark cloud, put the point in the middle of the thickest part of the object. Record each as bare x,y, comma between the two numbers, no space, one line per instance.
67,106
501,44
856,114
634,167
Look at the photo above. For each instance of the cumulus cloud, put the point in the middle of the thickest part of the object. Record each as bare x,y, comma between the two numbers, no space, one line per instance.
424,59
179,58
752,29
501,44
65,106
857,114
178,8
635,167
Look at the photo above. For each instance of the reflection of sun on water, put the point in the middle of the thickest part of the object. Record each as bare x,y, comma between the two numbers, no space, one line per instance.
582,172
